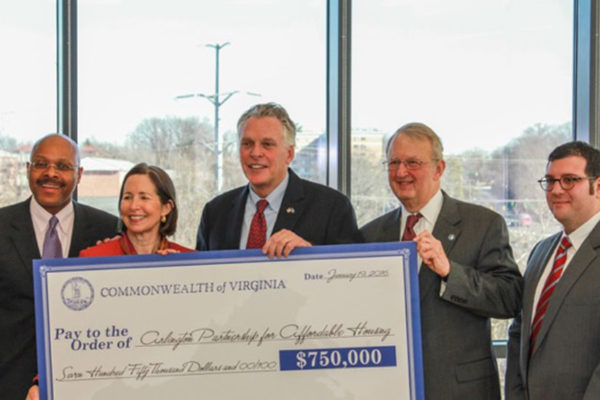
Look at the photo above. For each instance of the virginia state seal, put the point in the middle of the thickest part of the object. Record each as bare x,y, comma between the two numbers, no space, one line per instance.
77,293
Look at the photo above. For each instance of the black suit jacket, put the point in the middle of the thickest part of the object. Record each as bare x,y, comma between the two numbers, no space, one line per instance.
565,363
321,215
484,282
18,247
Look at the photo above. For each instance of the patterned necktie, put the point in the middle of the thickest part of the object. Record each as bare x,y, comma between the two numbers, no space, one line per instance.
258,227
52,246
549,286
409,229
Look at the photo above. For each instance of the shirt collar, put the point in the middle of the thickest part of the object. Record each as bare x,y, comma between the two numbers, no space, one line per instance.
578,236
430,211
275,198
64,216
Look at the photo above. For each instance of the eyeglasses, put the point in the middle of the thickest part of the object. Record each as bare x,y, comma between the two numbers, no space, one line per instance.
44,165
566,182
410,165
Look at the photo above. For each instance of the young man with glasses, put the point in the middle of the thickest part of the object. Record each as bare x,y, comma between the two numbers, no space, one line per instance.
467,273
554,343
49,224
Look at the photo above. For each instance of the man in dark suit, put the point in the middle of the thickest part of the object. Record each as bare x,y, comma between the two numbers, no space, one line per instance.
296,213
467,273
53,173
554,343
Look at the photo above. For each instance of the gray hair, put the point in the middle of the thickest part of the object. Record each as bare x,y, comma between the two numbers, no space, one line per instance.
270,110
420,131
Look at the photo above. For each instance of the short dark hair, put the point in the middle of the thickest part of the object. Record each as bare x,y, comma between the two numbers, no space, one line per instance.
579,149
164,188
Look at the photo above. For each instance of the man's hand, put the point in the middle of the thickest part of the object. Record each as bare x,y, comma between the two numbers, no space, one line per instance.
106,240
33,393
282,243
431,251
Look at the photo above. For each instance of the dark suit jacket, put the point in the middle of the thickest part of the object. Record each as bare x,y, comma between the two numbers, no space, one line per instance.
18,247
321,216
484,282
565,363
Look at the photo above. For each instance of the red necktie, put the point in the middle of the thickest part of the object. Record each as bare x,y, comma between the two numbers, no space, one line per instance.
409,229
258,227
549,286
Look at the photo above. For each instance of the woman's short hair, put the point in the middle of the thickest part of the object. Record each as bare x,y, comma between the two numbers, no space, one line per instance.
164,188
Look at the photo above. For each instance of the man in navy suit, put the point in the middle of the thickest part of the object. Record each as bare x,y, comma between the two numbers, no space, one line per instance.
467,275
298,212
554,343
53,173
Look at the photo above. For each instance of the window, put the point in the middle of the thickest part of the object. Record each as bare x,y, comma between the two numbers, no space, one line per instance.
28,82
493,79
147,71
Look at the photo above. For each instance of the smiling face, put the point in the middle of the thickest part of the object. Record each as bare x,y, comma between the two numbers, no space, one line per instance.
141,208
572,208
264,154
414,188
53,187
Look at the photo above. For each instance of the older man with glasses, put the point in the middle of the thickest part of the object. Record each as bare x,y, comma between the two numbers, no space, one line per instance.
554,344
467,273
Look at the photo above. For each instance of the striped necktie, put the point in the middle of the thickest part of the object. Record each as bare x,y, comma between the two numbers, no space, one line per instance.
551,281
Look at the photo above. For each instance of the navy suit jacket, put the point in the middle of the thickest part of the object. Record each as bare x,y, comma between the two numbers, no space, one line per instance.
18,247
321,215
484,282
565,363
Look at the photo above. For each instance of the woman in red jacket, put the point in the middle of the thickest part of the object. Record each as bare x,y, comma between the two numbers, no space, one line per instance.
148,215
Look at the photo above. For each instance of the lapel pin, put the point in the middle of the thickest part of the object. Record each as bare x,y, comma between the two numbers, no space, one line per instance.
290,210
451,237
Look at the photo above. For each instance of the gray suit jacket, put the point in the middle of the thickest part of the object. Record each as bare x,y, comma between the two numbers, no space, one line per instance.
484,282
18,247
565,363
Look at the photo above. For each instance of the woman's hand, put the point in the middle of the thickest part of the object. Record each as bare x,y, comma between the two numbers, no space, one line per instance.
167,251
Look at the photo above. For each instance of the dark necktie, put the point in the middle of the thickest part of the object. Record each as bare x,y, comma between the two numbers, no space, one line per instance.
549,286
52,246
409,229
258,227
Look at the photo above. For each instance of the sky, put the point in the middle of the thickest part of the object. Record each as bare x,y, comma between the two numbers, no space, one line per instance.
479,73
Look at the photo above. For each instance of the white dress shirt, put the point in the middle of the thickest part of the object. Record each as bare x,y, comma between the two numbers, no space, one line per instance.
40,218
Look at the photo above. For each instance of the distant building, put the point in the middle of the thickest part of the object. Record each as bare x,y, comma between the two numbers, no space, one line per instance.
101,182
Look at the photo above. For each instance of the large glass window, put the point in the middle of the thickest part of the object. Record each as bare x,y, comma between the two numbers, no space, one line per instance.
147,86
28,82
492,78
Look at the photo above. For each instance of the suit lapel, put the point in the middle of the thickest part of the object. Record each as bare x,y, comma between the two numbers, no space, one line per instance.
576,267
292,205
80,231
23,235
535,268
447,231
390,228
238,206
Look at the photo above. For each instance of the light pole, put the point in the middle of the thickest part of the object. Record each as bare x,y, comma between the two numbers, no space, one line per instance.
217,103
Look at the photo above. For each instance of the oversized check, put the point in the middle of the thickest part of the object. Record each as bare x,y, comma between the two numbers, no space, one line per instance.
330,322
